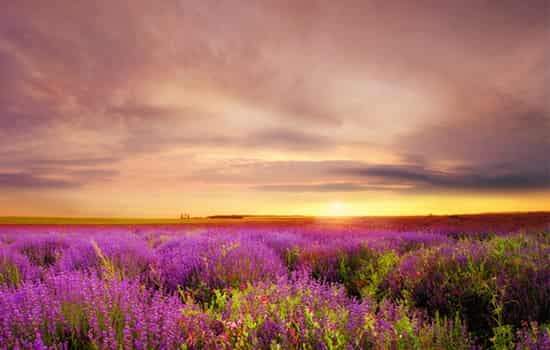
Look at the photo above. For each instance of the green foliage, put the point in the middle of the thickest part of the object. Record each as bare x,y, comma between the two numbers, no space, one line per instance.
407,338
9,274
445,333
362,272
219,301
503,338
76,317
109,269
489,283
291,258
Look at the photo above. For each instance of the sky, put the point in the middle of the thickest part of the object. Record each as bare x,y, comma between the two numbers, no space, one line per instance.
313,107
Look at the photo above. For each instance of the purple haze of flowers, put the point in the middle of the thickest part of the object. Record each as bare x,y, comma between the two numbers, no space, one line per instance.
72,310
15,268
217,262
131,257
42,250
116,287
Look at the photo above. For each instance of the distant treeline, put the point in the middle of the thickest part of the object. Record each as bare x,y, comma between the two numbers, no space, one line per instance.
226,217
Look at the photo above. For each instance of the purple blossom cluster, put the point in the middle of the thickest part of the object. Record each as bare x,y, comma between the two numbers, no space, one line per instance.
203,264
242,287
125,255
73,310
15,268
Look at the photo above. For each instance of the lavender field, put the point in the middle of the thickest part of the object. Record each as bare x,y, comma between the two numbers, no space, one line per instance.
344,285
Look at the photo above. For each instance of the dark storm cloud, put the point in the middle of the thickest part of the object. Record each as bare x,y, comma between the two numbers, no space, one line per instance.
499,178
342,176
510,139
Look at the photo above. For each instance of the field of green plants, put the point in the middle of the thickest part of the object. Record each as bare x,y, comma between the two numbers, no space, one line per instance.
302,286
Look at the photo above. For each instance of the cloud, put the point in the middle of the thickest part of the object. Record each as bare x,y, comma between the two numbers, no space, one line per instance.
323,187
145,112
452,96
286,138
63,67
18,160
55,178
19,173
22,181
356,176
421,179
261,173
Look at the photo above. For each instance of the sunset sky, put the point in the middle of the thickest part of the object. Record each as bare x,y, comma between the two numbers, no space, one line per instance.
352,107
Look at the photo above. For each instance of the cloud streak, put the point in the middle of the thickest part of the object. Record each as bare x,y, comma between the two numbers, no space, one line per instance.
323,187
464,179
31,181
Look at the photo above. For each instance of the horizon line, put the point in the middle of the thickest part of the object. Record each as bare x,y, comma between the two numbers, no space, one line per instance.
16,219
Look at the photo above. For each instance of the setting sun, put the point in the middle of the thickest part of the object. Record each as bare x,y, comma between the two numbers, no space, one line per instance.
336,208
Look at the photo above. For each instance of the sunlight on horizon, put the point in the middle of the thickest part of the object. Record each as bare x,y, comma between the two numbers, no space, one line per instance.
337,209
